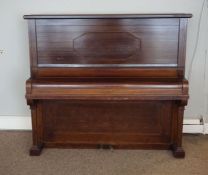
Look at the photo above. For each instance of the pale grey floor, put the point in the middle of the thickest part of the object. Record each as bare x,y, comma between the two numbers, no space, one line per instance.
14,159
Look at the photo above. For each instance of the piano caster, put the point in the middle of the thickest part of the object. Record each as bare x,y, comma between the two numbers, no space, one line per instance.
178,152
36,150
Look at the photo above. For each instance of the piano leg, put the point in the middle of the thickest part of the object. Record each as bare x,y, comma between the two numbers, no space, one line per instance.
37,131
176,147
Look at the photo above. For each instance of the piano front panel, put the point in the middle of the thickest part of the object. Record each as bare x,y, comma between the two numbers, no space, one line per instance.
117,44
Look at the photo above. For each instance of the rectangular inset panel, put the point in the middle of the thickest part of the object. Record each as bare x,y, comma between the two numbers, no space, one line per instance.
107,122
107,42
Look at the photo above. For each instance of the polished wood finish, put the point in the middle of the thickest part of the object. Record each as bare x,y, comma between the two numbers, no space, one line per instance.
107,16
91,42
107,81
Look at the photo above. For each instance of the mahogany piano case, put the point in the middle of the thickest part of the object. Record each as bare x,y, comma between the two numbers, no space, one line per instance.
107,81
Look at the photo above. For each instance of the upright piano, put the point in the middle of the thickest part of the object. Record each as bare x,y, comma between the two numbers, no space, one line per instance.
107,81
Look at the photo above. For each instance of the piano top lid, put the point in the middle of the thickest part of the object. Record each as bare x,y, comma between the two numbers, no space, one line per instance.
106,16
